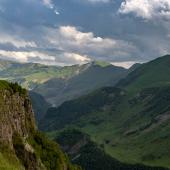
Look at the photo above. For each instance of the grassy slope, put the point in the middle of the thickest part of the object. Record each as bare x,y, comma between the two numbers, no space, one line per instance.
137,127
72,111
30,74
139,145
90,156
6,164
154,73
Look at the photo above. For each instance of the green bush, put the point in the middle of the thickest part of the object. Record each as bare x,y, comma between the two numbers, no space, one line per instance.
16,88
13,87
49,152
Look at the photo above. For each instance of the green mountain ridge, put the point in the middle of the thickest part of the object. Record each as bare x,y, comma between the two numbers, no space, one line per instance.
31,74
151,74
134,116
57,91
59,84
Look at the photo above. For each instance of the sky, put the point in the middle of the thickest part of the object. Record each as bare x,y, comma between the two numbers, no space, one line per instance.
67,32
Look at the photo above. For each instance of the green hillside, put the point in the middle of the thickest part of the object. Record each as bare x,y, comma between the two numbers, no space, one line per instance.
154,73
30,75
131,121
87,106
89,155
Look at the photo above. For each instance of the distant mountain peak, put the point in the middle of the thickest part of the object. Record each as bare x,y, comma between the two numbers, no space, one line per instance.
100,63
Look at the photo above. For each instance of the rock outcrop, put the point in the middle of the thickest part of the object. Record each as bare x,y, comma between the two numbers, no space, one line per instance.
22,147
16,116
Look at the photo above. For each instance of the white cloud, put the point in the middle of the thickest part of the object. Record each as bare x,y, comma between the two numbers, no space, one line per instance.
71,40
56,12
78,58
125,64
16,41
69,46
147,9
44,58
48,3
80,39
23,56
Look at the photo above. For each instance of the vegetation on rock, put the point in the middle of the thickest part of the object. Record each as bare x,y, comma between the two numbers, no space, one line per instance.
21,145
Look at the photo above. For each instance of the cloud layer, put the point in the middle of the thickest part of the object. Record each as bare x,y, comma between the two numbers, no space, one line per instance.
76,31
67,45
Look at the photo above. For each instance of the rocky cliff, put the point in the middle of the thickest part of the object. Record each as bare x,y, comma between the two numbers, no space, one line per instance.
21,145
16,116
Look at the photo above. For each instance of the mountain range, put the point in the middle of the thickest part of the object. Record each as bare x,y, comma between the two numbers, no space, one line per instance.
58,84
125,112
53,85
131,119
23,147
91,76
